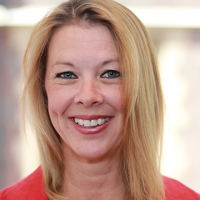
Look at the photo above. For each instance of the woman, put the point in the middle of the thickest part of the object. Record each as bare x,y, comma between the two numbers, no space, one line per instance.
93,96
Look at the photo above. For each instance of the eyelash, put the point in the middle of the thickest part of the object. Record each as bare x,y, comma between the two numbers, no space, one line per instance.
116,74
107,74
66,75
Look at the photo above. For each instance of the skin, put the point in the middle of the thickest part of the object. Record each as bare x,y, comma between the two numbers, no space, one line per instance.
83,81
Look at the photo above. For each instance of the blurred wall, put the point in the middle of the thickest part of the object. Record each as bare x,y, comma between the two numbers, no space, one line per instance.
179,57
10,135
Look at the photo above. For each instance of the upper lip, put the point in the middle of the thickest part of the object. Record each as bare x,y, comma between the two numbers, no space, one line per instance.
90,117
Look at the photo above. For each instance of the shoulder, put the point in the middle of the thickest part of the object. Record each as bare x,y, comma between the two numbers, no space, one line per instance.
29,188
174,190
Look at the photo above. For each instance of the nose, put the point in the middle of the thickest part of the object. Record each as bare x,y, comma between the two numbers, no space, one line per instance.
88,93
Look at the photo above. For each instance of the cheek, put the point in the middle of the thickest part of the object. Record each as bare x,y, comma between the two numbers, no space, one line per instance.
114,98
58,101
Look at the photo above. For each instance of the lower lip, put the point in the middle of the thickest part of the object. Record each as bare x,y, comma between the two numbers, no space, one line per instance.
90,130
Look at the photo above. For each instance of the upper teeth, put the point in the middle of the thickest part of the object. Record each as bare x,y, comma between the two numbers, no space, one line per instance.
89,123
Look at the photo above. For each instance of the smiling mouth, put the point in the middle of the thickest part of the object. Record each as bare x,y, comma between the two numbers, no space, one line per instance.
91,123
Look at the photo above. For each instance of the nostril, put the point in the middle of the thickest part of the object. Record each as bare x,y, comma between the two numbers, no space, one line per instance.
96,102
88,100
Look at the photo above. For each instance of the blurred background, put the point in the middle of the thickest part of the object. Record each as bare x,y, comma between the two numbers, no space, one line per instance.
174,26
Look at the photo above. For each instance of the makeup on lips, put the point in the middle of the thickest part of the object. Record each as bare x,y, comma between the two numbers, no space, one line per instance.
89,124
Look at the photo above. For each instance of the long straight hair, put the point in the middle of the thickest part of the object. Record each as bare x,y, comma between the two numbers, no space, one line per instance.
142,96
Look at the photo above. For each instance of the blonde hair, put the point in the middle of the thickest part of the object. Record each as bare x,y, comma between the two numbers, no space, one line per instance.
143,101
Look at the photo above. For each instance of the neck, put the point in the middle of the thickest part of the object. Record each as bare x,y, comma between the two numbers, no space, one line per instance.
99,180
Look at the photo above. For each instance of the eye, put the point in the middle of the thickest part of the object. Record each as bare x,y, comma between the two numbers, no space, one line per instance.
111,74
66,75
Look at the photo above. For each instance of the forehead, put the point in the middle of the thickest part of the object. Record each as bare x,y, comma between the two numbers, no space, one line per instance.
82,33
84,41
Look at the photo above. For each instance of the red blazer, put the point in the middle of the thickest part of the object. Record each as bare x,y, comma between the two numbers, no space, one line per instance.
31,188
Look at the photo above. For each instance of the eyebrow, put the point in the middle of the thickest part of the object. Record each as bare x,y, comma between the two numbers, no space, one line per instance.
110,61
72,65
62,63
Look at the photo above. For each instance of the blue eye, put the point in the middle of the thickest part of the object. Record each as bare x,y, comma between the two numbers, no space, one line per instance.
66,75
111,74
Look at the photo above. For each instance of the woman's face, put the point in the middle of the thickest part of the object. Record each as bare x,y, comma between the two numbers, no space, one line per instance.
83,86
